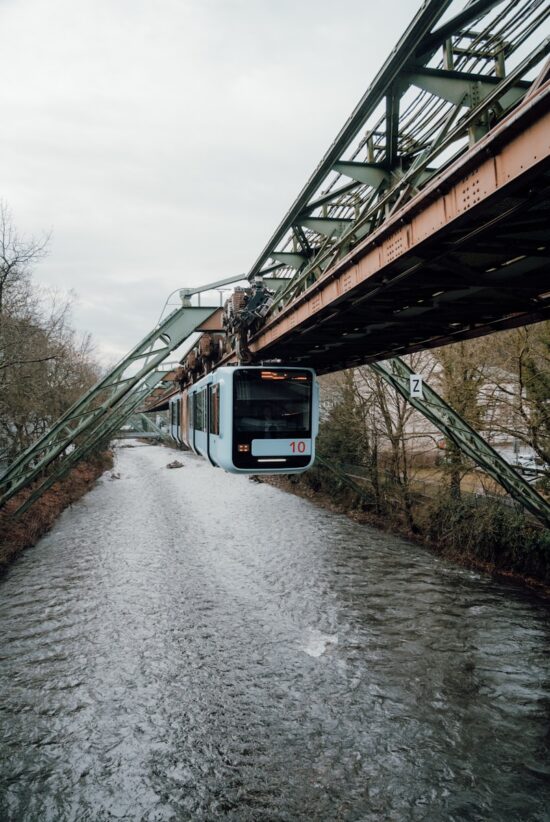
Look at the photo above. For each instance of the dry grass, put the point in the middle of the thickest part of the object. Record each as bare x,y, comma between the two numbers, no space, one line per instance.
473,481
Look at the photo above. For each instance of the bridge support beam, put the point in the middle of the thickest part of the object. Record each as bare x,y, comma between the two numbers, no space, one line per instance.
148,428
101,432
86,416
397,373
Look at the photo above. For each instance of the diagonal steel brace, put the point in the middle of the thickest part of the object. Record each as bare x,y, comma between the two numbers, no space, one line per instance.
102,431
397,373
91,408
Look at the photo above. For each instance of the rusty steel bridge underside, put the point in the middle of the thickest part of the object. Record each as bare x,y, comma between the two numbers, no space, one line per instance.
467,256
427,221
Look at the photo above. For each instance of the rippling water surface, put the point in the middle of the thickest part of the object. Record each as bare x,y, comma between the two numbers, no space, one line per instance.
189,645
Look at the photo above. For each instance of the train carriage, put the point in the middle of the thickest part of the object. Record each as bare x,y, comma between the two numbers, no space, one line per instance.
250,419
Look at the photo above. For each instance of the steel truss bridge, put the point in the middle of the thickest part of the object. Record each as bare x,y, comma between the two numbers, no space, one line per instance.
426,222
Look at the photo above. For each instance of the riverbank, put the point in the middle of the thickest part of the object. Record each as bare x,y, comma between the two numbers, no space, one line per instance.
498,542
16,535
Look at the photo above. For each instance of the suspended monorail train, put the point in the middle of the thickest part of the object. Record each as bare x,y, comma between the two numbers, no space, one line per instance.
250,419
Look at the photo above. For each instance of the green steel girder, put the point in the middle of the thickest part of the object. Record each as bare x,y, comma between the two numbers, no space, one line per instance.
326,226
369,173
472,13
290,259
331,198
102,431
90,409
397,374
420,28
463,88
393,102
443,86
420,172
274,283
148,427
148,423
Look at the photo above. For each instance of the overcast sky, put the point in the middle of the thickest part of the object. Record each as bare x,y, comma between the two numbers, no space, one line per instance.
162,142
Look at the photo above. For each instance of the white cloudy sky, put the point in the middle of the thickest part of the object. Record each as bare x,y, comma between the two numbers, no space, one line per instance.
162,142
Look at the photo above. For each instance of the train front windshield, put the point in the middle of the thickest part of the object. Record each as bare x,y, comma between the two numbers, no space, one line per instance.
272,402
271,418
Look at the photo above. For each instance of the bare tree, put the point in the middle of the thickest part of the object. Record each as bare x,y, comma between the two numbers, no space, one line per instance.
461,377
521,376
397,431
44,366
18,255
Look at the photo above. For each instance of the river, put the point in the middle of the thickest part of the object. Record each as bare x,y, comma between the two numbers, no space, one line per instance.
190,645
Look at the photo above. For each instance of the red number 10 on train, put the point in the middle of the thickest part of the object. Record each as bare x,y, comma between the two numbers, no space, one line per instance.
298,447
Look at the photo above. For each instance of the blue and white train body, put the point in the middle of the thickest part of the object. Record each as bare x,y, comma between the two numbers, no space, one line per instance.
250,419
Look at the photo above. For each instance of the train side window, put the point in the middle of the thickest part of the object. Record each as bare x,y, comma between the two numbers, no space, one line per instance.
190,416
215,409
200,410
